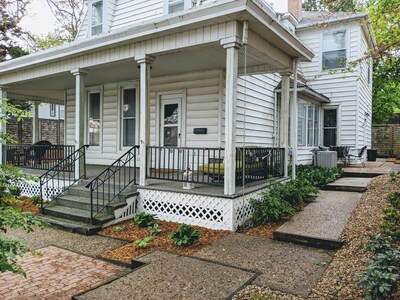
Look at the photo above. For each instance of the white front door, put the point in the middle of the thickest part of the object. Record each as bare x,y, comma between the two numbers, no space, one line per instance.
170,120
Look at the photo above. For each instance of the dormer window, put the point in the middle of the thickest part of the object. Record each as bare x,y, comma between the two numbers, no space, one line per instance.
97,17
173,6
334,54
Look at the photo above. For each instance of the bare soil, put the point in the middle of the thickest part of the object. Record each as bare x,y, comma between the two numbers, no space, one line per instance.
161,241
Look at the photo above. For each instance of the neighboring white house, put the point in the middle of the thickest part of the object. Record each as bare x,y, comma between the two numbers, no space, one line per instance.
179,76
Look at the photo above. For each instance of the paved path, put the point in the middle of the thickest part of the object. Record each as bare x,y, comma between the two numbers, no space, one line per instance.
349,184
171,276
56,274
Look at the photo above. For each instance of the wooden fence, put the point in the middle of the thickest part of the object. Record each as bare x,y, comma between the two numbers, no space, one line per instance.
386,139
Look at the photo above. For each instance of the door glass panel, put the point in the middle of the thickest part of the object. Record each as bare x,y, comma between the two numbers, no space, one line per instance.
129,117
330,118
94,119
129,132
330,127
171,114
171,136
330,137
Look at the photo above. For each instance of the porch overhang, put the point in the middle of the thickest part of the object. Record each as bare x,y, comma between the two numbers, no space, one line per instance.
271,46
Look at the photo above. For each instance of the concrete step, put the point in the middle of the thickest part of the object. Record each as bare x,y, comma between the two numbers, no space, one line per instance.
72,226
321,223
83,203
349,184
76,214
81,191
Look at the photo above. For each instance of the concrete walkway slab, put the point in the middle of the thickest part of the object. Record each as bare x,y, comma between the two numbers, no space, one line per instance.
172,276
284,267
320,223
349,184
56,274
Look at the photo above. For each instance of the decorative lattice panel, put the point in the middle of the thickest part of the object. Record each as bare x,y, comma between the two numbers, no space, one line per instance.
32,188
242,208
201,210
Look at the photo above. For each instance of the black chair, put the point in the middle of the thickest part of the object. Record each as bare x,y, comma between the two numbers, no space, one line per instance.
38,151
359,156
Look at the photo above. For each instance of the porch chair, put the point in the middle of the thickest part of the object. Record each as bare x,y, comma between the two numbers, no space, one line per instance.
38,151
359,156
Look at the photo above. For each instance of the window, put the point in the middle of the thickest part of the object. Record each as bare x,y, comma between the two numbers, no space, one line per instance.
316,125
334,50
173,6
52,110
330,127
94,120
62,112
128,114
301,125
97,17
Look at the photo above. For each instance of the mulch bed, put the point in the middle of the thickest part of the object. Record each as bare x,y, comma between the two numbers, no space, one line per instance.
161,241
26,204
263,231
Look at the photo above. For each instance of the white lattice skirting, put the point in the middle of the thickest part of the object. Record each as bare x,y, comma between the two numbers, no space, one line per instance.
206,211
32,188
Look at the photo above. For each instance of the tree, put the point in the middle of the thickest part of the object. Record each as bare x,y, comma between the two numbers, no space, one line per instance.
10,216
39,43
69,14
11,12
330,5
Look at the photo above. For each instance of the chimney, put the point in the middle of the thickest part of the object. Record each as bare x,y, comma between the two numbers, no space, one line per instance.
295,8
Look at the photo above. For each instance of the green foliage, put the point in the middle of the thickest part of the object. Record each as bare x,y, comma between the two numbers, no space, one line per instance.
143,219
394,199
393,176
10,250
40,43
35,199
185,235
155,229
329,5
144,242
379,243
282,200
391,224
118,229
14,191
318,176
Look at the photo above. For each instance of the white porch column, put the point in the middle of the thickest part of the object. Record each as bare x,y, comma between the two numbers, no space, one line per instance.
79,115
232,56
284,124
293,118
35,122
3,94
144,122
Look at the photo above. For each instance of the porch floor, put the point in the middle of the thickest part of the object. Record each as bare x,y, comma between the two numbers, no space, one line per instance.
174,186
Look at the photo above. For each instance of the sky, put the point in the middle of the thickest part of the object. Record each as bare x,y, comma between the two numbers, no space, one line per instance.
39,19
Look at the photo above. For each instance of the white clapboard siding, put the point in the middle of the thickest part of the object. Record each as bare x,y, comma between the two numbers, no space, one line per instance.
202,110
341,88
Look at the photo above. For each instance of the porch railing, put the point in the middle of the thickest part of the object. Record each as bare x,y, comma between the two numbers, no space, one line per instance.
61,176
110,183
201,165
42,157
206,165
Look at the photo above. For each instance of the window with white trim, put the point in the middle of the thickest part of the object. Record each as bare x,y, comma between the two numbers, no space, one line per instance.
334,54
128,117
97,17
308,124
173,6
94,118
52,110
301,123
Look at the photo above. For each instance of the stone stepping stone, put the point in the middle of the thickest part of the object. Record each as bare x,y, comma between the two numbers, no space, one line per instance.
285,267
170,276
321,222
349,184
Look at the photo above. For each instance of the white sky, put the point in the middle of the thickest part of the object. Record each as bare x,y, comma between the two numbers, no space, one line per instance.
39,19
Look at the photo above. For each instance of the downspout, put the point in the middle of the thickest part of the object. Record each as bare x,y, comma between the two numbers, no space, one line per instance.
294,120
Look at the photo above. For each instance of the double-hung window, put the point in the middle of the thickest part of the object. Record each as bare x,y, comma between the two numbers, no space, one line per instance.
173,6
334,53
301,125
128,117
94,118
308,124
97,17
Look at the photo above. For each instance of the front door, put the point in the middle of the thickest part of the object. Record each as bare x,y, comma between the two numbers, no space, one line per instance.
170,120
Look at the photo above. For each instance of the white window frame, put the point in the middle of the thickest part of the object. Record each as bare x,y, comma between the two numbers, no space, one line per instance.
315,135
121,88
338,123
94,3
346,47
187,4
94,90
303,141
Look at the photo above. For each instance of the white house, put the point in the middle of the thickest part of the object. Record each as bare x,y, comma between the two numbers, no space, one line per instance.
205,90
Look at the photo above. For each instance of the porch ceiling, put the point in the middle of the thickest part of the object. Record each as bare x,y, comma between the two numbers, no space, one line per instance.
212,56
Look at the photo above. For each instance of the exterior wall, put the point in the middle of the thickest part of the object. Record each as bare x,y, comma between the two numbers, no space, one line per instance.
341,88
21,131
201,91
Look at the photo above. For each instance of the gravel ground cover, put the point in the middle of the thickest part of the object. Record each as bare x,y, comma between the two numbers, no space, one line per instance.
337,281
161,241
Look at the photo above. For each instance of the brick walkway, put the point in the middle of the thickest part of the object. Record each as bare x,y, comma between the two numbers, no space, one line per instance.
56,274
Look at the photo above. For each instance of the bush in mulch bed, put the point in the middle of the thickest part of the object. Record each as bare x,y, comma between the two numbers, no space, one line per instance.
24,203
160,241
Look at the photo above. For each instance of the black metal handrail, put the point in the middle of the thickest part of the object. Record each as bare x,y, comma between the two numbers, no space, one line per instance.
186,164
110,183
61,176
36,156
259,163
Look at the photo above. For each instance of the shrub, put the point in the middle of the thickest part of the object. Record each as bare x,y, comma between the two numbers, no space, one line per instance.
318,176
155,229
143,219
14,191
379,243
394,199
144,242
185,236
35,199
393,176
391,224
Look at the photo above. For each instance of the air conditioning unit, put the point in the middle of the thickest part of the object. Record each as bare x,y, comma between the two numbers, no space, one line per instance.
327,159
